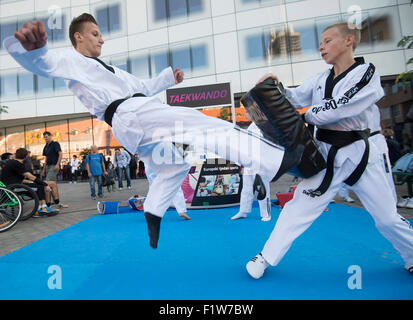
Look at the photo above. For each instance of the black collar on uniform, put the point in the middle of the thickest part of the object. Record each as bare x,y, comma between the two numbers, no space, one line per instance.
331,82
103,64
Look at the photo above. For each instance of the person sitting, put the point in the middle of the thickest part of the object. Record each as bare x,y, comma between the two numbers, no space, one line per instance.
14,172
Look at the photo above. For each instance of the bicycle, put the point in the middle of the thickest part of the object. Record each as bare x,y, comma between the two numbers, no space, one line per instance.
28,197
10,209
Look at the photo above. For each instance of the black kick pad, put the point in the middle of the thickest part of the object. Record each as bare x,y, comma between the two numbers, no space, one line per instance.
280,122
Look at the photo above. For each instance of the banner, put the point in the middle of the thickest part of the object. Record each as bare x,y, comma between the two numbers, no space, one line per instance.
200,96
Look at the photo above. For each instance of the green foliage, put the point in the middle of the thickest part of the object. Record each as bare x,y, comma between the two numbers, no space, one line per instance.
407,43
3,109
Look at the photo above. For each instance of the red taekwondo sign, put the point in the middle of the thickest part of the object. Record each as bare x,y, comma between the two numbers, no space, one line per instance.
200,96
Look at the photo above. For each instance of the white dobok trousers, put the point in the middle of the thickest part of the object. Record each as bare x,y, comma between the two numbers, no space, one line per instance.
373,191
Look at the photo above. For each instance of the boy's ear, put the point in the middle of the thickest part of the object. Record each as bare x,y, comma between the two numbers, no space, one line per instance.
350,40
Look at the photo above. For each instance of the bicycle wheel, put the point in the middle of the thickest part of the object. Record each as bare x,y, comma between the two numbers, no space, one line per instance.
10,209
28,197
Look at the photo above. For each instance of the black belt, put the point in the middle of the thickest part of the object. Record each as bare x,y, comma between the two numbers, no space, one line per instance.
111,109
374,133
339,139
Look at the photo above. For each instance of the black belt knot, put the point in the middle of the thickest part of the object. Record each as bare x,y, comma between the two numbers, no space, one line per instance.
340,139
111,109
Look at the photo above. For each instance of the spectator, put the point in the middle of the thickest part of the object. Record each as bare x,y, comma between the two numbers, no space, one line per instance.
66,171
133,167
395,151
83,169
4,158
110,178
121,163
15,172
28,164
141,168
53,154
95,166
74,167
107,161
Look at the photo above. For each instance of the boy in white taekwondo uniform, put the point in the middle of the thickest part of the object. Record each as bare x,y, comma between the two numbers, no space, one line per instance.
139,121
247,192
342,101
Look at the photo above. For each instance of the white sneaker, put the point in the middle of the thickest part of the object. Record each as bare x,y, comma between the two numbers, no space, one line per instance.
129,187
348,199
256,266
409,203
267,218
239,215
120,188
402,202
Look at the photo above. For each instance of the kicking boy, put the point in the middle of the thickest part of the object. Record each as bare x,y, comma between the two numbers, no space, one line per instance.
139,120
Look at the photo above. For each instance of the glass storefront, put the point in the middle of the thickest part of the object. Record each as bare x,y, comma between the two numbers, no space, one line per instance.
75,136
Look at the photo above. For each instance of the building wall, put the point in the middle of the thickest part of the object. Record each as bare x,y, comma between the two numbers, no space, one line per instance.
233,41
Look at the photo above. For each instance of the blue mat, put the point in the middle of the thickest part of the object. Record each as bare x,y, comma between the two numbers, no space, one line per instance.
108,257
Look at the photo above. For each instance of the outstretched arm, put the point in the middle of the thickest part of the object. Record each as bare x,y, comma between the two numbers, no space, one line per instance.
29,48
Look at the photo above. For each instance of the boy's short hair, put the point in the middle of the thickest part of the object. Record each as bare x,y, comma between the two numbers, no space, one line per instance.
46,133
21,153
77,25
344,29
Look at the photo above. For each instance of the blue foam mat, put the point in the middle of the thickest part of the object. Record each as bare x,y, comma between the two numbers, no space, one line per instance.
108,257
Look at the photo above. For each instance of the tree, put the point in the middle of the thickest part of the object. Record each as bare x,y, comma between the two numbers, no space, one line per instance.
3,109
407,43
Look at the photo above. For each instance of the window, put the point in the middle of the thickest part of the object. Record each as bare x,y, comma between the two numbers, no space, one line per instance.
55,29
8,86
80,134
44,86
380,30
192,57
172,9
26,84
181,58
34,138
159,11
264,46
303,42
159,61
140,66
177,8
242,5
6,30
108,19
199,56
15,138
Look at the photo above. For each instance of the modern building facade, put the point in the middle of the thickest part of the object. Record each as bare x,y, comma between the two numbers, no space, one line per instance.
234,41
